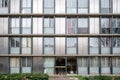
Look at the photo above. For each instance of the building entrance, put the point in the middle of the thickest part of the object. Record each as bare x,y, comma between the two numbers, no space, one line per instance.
60,66
66,65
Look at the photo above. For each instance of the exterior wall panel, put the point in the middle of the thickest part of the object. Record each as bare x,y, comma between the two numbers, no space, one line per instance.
82,46
59,25
37,6
94,6
60,46
60,6
14,6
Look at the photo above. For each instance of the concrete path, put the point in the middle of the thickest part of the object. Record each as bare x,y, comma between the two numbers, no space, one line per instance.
61,77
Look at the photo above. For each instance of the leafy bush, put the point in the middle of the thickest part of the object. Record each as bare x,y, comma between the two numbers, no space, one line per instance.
28,76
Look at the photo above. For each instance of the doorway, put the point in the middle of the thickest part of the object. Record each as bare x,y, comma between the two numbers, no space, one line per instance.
60,65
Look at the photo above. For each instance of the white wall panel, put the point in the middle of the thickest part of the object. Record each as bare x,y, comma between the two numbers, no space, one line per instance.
37,25
82,46
94,6
60,46
94,25
59,6
37,6
60,26
14,6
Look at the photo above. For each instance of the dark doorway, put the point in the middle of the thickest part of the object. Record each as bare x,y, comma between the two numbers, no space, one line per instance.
60,66
72,65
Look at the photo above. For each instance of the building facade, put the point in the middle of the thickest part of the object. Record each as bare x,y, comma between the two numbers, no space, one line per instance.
60,36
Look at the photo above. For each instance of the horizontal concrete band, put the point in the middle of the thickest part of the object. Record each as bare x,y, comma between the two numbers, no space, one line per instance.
59,35
67,55
61,15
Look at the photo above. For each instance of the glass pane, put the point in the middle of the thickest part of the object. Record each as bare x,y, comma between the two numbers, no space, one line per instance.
15,42
94,62
83,3
71,26
105,42
26,42
48,45
105,62
49,62
82,62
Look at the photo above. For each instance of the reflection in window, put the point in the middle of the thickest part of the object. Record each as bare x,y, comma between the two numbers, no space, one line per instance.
49,65
82,6
26,42
82,62
94,62
14,65
48,45
105,26
116,42
82,25
15,42
26,26
94,46
15,26
105,6
71,45
26,45
116,62
49,25
26,61
15,45
26,6
105,62
3,3
71,26
71,6
115,23
105,42
49,6
14,62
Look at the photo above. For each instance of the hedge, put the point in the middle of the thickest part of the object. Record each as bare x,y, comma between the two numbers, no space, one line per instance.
103,77
22,76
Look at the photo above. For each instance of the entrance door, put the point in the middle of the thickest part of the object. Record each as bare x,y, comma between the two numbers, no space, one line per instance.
60,66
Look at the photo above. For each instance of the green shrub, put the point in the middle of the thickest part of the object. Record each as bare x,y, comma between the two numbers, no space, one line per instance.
37,76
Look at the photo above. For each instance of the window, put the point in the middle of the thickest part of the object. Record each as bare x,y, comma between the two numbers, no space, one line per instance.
26,6
82,6
106,6
105,42
49,6
26,42
26,61
48,45
71,45
82,26
14,62
15,26
94,62
115,23
82,62
105,26
3,3
49,65
94,46
116,42
116,62
26,45
71,6
26,25
105,62
71,26
15,42
49,25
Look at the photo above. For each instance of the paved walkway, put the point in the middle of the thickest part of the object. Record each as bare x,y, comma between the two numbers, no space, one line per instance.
62,77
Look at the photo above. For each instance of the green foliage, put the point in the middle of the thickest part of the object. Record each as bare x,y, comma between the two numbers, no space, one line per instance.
96,78
28,76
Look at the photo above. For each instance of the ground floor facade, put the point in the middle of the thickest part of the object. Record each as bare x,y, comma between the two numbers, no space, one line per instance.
61,64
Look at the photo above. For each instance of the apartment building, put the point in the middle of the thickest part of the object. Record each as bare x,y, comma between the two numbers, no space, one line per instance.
60,36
